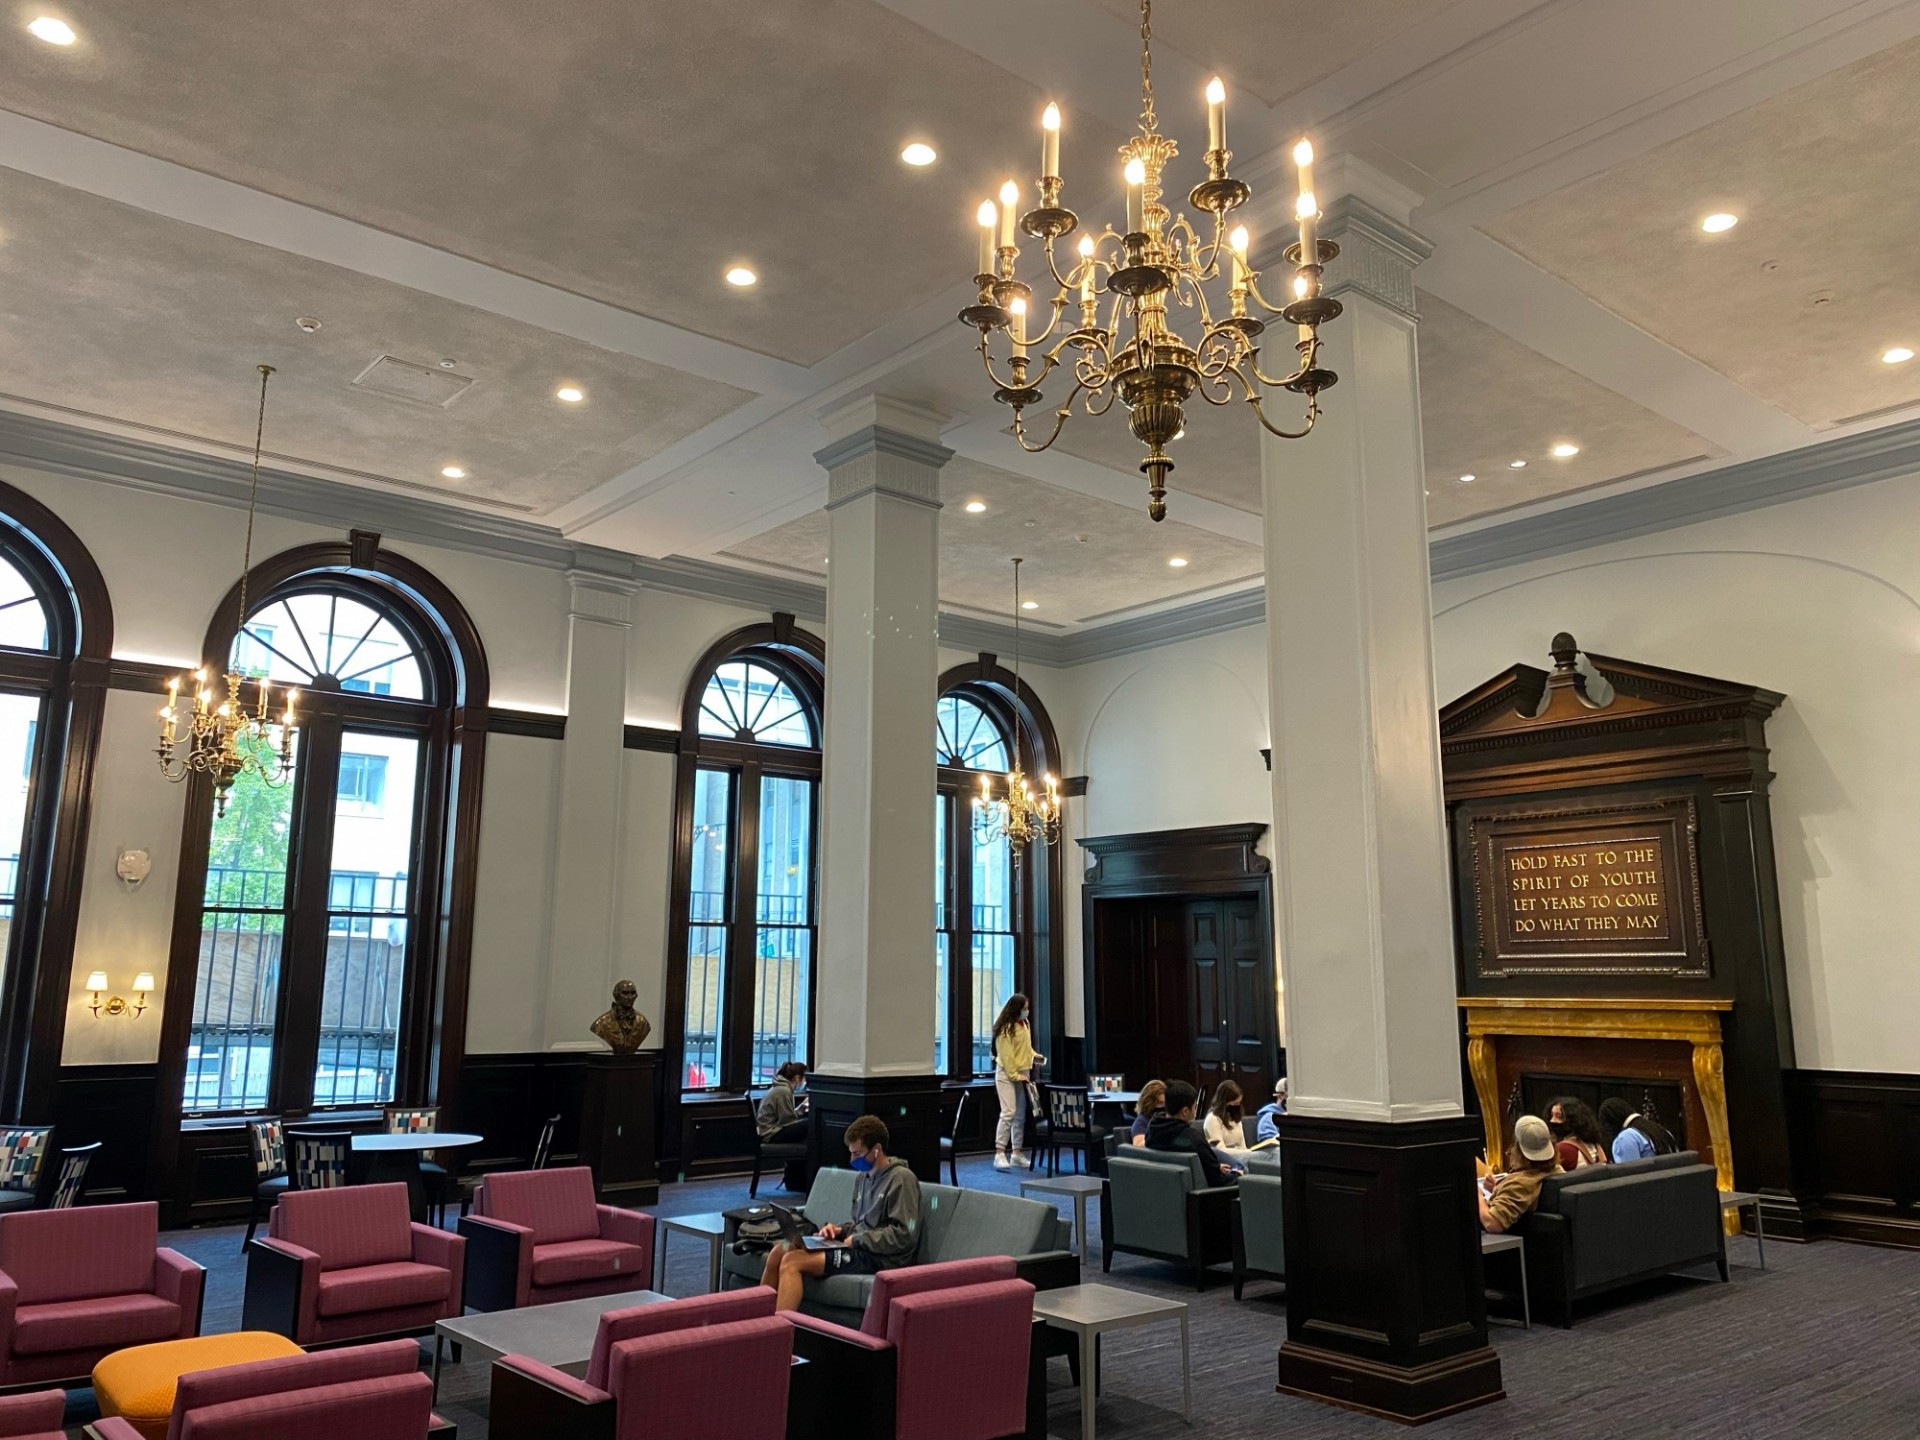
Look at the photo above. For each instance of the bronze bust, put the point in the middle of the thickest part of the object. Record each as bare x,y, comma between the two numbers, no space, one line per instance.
624,1028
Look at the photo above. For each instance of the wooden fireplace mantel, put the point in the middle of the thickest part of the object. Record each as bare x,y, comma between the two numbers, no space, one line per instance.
1692,1022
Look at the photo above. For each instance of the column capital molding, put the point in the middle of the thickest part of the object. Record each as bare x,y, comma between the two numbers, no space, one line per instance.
592,595
881,440
1377,254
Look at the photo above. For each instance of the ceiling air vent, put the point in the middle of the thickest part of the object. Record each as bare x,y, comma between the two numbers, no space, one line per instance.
422,384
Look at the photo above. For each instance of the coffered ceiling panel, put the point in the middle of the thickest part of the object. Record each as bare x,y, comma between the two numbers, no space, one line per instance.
1820,277
1275,47
117,313
628,152
1085,558
1486,400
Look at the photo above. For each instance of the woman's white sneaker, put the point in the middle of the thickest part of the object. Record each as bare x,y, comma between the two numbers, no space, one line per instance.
1000,1162
1021,1162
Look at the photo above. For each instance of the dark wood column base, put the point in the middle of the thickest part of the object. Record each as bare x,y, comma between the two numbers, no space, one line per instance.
1386,1307
909,1104
1413,1396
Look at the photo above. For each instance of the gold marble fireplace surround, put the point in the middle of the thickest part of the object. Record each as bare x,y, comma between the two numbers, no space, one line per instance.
1691,1022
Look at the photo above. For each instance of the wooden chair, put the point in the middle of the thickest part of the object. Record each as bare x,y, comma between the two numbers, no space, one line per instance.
950,1142
543,1147
70,1176
317,1159
420,1120
268,1143
1069,1123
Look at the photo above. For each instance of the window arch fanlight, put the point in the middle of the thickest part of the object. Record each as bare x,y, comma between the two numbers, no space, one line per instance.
740,975
322,930
996,929
56,638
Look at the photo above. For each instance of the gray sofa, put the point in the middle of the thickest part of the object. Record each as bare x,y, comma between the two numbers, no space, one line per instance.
1260,1231
957,1225
1605,1226
1157,1203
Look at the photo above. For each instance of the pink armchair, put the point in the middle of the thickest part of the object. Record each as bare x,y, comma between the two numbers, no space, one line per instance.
674,1370
536,1236
369,1392
349,1264
76,1285
924,1325
33,1417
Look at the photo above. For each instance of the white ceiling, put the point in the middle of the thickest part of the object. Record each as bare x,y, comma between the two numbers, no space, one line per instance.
554,198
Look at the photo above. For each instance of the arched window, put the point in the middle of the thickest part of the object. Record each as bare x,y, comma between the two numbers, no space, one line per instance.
740,962
318,929
56,634
992,918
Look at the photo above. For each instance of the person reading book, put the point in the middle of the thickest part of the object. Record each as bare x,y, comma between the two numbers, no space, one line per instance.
883,1233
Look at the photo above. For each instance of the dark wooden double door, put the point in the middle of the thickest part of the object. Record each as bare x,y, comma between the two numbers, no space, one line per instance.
1183,990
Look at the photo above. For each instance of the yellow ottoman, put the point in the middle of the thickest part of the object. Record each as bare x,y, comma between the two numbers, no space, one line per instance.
137,1384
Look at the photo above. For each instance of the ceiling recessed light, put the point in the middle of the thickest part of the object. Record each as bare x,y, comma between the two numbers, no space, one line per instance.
570,394
1898,355
1565,451
453,472
1466,479
918,154
1516,464
1719,222
1178,562
1029,604
448,363
54,32
740,275
974,507
306,324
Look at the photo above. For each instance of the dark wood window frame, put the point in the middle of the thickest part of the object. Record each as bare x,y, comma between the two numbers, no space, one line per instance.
1039,945
453,722
799,658
72,675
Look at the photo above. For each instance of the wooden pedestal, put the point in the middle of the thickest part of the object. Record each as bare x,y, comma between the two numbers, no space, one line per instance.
617,1111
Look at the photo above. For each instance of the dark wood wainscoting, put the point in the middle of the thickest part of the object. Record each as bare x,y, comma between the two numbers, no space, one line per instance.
507,1098
114,1105
1863,1132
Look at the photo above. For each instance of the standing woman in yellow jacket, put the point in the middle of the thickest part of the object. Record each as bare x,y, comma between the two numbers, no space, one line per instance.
1013,1062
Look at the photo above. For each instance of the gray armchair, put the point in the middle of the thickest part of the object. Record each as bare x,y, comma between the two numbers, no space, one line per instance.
1259,1234
1157,1203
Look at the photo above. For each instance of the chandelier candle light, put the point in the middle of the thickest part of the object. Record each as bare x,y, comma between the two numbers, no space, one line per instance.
1021,817
1137,356
226,739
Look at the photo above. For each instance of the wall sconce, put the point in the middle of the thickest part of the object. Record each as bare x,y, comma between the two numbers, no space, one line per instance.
114,1004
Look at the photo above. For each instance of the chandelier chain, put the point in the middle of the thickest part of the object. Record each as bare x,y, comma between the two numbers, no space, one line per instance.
253,495
1149,122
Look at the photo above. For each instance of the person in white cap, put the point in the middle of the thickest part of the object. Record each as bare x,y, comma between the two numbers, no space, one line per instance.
1504,1199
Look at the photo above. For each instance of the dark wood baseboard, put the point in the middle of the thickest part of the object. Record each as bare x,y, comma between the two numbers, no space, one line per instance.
1861,1130
1410,1397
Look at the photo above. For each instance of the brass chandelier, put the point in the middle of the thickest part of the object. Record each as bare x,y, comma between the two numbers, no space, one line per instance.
1022,817
1161,261
225,739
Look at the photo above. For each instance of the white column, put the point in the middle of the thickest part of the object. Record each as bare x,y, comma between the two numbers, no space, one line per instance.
876,1007
581,954
1360,859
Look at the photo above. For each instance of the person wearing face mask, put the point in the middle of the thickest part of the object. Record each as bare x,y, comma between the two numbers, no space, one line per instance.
779,1117
883,1233
1013,1063
1576,1133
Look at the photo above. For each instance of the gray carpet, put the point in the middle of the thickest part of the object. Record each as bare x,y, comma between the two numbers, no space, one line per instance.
1822,1344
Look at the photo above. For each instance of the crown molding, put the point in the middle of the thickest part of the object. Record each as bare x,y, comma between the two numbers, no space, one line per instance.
1815,469
1833,464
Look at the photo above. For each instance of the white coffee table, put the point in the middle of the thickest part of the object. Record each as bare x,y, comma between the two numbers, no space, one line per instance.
1079,1187
710,1226
560,1335
1088,1311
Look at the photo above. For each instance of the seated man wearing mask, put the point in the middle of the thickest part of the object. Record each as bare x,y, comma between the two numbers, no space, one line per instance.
885,1229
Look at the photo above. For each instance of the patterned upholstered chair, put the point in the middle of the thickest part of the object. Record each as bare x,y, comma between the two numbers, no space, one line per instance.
924,1326
536,1236
268,1142
317,1159
23,1151
349,1264
33,1417
76,1285
70,1176
422,1120
368,1392
711,1365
